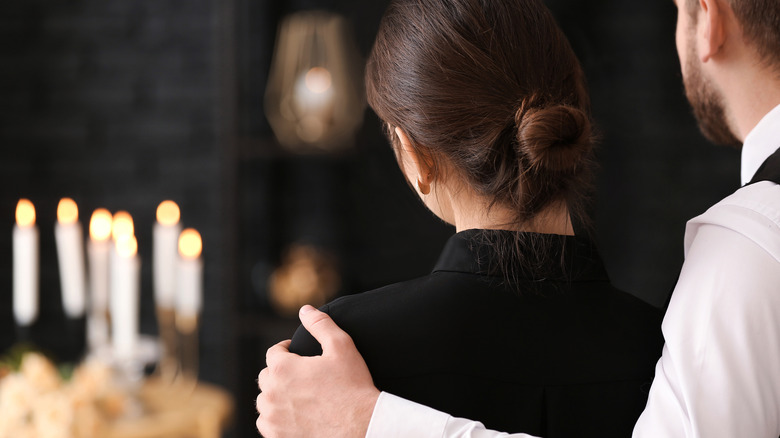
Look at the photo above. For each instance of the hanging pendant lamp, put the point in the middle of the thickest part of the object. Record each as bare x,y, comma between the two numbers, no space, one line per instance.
314,99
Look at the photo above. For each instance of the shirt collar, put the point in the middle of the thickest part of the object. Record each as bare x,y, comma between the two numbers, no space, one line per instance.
760,143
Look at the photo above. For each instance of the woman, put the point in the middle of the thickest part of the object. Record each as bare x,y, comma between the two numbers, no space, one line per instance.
517,326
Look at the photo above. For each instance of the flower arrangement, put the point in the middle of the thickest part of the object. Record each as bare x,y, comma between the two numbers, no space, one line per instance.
39,400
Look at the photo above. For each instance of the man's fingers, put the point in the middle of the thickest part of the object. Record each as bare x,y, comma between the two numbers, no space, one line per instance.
263,427
262,424
277,351
324,330
261,378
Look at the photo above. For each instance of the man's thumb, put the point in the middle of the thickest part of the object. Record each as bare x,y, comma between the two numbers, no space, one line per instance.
324,330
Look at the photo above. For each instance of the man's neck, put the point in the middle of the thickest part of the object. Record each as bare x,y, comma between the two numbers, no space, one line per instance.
753,91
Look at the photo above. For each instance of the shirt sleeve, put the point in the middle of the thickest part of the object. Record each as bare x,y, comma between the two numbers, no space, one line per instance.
719,374
397,417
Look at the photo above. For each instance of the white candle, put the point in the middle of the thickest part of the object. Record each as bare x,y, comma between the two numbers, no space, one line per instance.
189,296
166,233
25,248
98,250
124,300
70,255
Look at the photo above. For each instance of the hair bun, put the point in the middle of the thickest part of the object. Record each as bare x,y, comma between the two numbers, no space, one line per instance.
556,138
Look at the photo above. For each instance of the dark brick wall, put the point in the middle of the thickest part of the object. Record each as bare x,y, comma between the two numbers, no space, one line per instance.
112,103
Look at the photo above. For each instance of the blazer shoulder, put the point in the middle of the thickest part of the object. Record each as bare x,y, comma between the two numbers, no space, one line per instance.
351,311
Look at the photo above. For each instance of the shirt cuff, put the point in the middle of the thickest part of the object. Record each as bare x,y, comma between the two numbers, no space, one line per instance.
397,417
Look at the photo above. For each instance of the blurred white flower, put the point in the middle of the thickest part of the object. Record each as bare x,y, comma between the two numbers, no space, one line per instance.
40,373
16,402
34,403
53,416
91,380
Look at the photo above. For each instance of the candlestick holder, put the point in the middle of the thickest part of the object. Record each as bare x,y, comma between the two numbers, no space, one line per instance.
187,326
128,376
169,366
128,366
98,324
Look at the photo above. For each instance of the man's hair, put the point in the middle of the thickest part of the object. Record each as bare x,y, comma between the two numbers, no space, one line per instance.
760,20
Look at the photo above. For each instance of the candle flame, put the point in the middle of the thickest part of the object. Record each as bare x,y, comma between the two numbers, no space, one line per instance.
100,224
168,213
25,213
190,244
67,211
122,225
318,80
126,245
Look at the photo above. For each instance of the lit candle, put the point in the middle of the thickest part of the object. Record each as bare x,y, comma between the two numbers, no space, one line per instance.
25,248
190,279
189,297
98,250
124,299
70,255
166,233
124,291
122,225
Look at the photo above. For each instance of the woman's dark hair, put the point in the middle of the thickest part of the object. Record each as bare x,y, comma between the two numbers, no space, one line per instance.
494,88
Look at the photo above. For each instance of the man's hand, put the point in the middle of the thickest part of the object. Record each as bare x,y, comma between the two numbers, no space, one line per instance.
331,395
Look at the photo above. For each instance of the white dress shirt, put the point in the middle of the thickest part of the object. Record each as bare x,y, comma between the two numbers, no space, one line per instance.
719,374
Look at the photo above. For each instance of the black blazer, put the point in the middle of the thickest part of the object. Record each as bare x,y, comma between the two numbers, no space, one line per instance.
563,355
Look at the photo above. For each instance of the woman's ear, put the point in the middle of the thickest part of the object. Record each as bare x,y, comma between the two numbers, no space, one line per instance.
416,165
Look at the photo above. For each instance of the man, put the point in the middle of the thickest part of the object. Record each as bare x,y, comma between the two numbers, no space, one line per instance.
719,375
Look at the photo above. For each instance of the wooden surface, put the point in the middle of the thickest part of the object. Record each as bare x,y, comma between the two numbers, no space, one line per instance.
177,411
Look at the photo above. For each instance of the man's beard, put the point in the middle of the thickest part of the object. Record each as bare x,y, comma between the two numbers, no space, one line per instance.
707,106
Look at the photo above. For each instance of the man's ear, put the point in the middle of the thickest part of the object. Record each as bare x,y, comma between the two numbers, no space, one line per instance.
711,28
422,164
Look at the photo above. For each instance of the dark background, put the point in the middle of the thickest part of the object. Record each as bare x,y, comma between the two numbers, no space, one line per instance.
123,104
